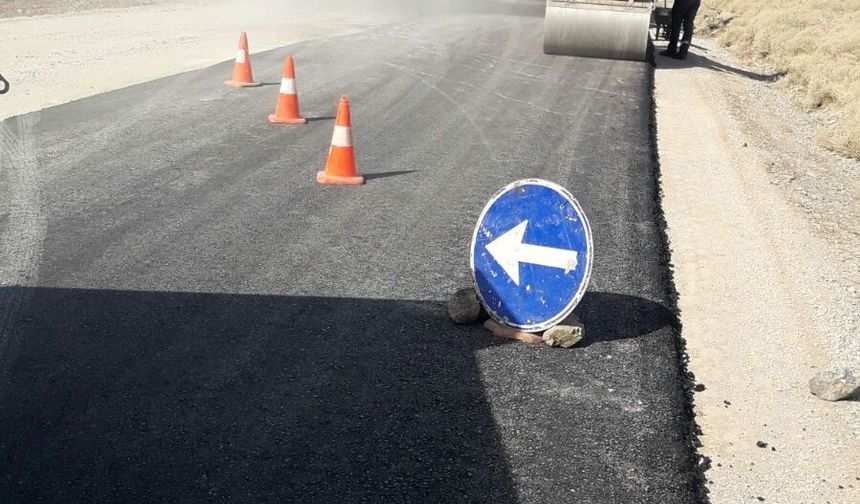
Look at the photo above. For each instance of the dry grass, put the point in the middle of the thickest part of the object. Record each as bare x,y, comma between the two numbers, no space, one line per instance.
814,43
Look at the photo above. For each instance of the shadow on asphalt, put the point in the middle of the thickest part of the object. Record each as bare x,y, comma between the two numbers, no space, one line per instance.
321,118
373,176
117,396
612,317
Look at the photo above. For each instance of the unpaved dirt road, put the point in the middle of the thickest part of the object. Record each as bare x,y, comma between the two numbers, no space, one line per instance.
763,228
20,8
55,59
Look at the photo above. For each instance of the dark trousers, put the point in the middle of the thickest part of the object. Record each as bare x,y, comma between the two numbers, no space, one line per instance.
683,14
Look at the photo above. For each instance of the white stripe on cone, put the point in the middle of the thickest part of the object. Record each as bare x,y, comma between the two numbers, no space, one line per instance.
288,86
342,137
240,56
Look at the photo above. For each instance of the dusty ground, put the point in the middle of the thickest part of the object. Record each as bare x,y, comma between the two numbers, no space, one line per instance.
59,58
14,8
763,227
814,46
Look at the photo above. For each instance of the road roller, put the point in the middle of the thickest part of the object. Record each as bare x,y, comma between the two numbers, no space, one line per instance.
611,29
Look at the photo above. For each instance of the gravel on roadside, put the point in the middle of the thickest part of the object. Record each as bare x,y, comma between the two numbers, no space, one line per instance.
15,8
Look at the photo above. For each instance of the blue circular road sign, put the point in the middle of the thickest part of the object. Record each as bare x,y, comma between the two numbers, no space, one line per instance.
531,255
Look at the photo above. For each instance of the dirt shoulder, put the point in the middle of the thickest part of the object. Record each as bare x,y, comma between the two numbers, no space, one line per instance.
813,47
14,8
55,59
763,228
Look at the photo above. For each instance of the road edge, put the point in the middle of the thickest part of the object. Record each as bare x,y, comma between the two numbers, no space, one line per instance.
698,462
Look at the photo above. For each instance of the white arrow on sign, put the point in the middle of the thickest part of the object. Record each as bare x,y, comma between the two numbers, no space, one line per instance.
509,251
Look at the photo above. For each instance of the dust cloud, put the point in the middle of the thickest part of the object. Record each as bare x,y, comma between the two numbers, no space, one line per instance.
422,7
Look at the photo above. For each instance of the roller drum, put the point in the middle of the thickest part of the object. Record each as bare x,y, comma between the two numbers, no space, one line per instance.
597,29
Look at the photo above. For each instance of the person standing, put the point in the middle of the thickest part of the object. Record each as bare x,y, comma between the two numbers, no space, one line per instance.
683,14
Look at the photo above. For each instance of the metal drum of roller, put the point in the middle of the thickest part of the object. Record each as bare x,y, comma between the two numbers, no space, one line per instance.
612,29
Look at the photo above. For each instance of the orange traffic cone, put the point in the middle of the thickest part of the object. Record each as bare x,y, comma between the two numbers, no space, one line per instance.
287,110
340,168
242,76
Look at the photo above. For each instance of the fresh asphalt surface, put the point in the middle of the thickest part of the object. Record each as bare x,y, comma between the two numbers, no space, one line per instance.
186,316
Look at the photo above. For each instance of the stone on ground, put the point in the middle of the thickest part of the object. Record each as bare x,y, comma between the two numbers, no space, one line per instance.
834,385
563,335
464,307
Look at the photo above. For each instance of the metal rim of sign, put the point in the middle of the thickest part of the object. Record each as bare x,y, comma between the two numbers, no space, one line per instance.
586,278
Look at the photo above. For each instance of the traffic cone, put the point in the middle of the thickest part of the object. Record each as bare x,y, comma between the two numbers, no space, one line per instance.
242,76
340,168
287,110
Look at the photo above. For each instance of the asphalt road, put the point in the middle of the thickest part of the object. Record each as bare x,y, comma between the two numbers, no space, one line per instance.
186,316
